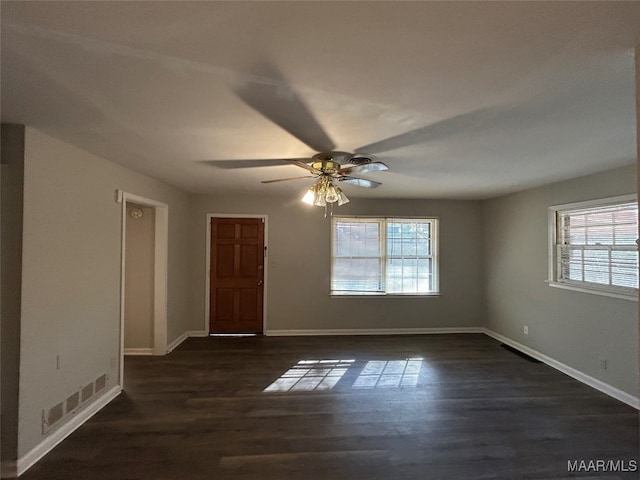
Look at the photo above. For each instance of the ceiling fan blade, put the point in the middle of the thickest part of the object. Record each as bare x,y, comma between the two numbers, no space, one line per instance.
300,164
360,182
274,98
366,168
287,179
436,131
266,162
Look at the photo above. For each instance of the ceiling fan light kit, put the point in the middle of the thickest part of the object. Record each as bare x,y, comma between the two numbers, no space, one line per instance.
325,194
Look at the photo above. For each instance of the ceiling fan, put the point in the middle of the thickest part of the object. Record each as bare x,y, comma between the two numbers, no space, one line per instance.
267,92
326,168
276,100
327,165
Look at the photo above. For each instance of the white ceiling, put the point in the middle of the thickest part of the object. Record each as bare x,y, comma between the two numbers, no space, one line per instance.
461,100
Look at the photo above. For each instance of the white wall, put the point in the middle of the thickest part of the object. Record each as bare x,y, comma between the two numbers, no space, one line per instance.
298,266
71,272
574,328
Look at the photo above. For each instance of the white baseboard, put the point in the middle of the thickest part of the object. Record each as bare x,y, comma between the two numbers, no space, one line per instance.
14,469
373,331
172,346
189,333
567,370
138,351
197,333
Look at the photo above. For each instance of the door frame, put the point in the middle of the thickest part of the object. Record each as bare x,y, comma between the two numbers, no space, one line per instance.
207,291
160,263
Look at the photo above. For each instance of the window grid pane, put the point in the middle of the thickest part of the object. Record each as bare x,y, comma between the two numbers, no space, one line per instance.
357,264
409,266
597,246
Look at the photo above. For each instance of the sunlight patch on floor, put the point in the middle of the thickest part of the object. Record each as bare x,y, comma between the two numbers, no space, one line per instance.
308,375
389,374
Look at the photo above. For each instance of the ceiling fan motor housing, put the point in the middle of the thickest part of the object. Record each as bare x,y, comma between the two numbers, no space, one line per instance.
326,160
326,166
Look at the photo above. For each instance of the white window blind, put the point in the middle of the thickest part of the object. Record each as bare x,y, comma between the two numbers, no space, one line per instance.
596,246
377,256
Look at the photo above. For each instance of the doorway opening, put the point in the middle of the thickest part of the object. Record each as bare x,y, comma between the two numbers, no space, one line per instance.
148,251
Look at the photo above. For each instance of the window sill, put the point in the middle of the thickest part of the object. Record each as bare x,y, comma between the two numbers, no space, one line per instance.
386,295
594,291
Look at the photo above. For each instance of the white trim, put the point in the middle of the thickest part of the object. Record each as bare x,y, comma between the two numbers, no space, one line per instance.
551,244
604,293
130,197
138,351
123,243
596,202
161,255
207,290
160,281
197,333
191,333
374,331
17,468
570,371
398,217
173,345
386,295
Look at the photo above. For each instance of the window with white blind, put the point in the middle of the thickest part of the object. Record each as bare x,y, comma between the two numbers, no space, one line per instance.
593,246
384,256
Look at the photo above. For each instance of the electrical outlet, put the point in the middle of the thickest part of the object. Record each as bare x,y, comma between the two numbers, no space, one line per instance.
526,330
603,363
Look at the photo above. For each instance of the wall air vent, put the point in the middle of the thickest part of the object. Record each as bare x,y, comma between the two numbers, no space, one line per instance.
73,402
101,382
86,393
53,418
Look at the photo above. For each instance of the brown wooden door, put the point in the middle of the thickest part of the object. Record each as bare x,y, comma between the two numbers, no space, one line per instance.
236,275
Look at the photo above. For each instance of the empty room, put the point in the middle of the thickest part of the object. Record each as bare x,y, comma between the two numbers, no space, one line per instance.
319,240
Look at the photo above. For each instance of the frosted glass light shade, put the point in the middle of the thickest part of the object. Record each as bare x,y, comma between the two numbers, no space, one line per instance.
324,192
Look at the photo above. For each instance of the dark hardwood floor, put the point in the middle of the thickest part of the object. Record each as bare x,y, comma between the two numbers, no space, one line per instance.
407,407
